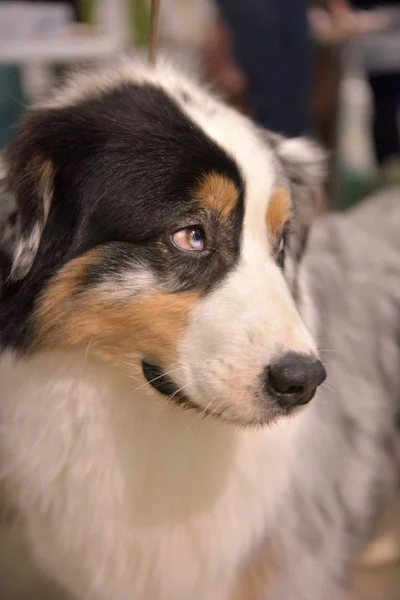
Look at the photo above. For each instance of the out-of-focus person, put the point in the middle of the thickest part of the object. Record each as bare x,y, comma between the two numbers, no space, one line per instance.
349,19
263,47
385,89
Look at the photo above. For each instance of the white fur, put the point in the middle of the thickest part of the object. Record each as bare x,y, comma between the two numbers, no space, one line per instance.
125,497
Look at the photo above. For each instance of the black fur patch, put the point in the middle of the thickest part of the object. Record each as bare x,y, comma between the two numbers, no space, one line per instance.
126,165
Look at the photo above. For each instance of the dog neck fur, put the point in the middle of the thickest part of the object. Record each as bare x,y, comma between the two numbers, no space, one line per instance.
132,498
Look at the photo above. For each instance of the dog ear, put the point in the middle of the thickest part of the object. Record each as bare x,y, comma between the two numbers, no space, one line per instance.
29,181
304,166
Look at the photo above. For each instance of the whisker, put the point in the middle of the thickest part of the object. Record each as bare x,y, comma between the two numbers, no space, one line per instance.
201,414
330,387
87,352
143,385
168,399
184,386
146,383
215,412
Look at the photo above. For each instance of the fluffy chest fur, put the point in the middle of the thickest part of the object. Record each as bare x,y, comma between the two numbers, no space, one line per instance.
144,500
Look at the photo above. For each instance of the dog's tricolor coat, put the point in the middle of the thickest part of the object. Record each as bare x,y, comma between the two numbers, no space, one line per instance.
152,227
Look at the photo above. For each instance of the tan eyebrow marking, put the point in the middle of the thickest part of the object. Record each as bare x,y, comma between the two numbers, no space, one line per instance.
279,211
218,192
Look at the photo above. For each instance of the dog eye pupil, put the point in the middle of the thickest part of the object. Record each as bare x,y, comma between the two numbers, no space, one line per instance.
190,239
196,238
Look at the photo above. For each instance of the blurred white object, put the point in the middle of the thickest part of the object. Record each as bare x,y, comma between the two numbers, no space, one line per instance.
42,32
25,21
112,18
37,36
186,22
355,143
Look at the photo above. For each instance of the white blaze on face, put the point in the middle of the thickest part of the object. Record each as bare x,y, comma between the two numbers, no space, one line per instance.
236,330
248,320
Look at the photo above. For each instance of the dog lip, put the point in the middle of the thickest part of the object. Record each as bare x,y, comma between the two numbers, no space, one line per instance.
164,385
159,381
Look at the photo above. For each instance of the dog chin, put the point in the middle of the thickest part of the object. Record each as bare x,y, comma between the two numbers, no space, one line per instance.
165,386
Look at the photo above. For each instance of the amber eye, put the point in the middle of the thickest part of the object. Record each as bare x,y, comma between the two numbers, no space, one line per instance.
190,239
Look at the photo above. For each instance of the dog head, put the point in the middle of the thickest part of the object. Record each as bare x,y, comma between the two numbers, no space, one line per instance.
152,232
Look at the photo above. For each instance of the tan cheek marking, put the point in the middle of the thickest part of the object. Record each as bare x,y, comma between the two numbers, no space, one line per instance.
219,193
279,212
151,326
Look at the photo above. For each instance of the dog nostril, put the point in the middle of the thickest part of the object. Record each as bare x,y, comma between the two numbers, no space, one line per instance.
293,378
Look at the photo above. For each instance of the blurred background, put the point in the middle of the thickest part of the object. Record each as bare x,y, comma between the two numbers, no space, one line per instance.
330,69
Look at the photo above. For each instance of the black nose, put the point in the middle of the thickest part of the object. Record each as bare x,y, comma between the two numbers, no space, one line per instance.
292,379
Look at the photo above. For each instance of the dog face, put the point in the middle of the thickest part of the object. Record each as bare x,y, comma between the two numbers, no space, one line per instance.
153,223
